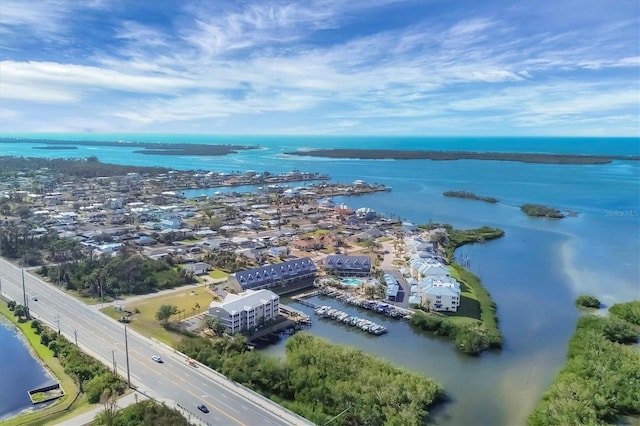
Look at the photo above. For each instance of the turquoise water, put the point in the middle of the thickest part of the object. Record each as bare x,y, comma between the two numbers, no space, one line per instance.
534,272
351,281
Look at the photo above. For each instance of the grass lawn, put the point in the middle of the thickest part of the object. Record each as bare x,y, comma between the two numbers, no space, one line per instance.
218,273
66,406
146,323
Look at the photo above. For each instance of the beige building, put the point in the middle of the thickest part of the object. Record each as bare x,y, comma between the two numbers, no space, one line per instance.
245,310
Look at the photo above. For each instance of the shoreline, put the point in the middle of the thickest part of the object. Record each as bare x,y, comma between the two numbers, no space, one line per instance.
147,148
391,154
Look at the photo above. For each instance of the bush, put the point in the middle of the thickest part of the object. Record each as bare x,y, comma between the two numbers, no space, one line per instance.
628,311
588,301
601,379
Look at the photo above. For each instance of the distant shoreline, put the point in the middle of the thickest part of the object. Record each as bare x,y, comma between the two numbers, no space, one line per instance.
390,154
153,148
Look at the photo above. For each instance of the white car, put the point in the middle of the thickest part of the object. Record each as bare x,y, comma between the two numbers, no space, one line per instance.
157,359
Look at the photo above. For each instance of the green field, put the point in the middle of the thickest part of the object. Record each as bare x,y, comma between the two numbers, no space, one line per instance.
146,323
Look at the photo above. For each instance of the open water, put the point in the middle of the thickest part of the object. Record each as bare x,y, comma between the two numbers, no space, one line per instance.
534,272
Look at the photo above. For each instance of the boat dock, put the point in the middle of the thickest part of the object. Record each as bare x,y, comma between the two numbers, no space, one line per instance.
372,305
352,320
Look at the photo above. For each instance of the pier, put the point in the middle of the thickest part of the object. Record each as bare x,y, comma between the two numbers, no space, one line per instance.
372,305
352,320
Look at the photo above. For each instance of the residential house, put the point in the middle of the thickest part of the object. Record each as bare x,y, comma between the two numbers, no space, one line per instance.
198,268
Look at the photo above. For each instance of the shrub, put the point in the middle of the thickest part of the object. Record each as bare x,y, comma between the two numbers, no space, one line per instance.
588,301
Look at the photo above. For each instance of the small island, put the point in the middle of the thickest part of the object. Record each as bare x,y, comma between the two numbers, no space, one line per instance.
469,196
538,210
55,147
149,148
396,154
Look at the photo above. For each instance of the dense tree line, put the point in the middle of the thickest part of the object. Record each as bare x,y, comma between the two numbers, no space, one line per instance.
92,376
469,338
143,413
601,378
125,273
537,210
629,311
88,167
17,242
320,380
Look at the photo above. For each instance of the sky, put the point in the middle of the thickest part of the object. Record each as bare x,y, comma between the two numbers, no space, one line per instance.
321,67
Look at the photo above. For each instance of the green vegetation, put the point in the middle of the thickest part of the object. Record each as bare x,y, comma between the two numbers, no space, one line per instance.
474,328
80,167
228,260
190,301
537,210
319,380
588,301
18,242
218,274
73,401
469,196
629,311
126,273
601,380
143,413
165,312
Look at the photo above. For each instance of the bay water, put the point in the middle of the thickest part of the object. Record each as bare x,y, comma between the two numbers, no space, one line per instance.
534,273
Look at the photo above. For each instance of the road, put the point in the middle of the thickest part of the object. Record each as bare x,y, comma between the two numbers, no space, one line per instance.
174,380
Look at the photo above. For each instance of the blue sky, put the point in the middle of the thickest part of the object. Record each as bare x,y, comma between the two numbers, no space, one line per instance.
385,67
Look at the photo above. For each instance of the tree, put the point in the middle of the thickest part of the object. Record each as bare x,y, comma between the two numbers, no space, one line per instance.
20,311
216,326
165,312
588,301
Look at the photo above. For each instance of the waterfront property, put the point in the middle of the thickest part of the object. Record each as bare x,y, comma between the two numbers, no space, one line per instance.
285,277
348,266
436,293
246,310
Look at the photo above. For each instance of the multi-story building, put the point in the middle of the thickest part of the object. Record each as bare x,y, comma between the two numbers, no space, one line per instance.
282,278
348,266
246,310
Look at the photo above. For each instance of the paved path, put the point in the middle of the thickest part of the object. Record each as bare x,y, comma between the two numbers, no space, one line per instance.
87,418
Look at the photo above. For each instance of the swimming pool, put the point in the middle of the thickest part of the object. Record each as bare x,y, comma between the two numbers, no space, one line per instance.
351,281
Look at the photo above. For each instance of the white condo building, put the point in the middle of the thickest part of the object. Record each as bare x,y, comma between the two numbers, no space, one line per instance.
245,310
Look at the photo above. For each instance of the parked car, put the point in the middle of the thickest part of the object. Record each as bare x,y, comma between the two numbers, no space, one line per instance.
157,359
203,408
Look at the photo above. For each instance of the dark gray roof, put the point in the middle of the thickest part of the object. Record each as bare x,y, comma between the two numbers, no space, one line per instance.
264,274
341,261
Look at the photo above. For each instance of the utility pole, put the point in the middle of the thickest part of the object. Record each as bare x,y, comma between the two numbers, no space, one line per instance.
113,358
101,296
58,322
75,335
126,348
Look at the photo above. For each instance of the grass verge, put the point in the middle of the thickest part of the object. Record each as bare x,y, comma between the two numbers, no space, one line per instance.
191,301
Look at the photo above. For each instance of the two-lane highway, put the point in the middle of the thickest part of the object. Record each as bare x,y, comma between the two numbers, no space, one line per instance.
104,338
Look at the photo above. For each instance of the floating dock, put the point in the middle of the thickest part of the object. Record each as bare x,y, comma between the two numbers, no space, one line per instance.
352,320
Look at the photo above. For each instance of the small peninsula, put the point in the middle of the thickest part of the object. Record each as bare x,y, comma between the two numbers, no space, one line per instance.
395,154
469,196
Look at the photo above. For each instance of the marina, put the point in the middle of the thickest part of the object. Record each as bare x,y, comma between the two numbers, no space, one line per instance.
377,306
354,321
